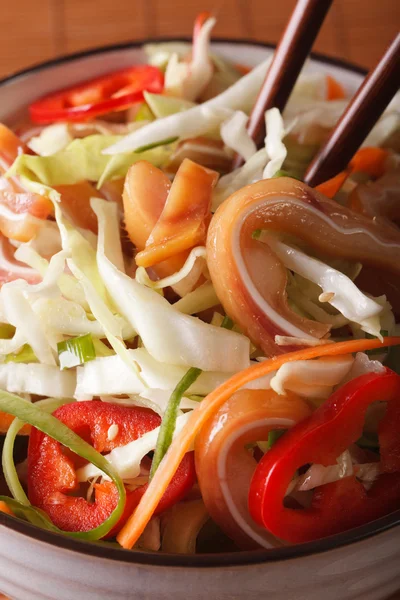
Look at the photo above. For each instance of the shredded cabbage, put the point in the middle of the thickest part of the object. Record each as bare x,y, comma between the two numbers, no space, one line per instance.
47,241
35,378
276,149
338,289
19,313
157,400
200,299
163,106
126,459
196,253
250,172
199,119
154,399
83,266
157,322
263,164
188,79
311,378
68,285
51,139
363,364
234,134
160,53
82,159
110,376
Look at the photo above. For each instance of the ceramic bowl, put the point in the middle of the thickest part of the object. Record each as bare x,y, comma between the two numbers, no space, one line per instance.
362,564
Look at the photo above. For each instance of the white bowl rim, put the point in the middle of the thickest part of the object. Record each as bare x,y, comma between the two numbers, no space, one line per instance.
226,559
65,58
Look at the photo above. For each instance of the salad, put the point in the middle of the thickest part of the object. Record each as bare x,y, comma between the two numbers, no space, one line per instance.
200,358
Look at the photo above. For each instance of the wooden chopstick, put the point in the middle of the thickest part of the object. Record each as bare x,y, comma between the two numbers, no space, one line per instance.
287,62
363,112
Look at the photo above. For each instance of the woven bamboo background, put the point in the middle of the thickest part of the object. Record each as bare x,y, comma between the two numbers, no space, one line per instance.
36,30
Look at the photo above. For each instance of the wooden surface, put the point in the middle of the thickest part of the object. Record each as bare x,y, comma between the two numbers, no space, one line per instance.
36,30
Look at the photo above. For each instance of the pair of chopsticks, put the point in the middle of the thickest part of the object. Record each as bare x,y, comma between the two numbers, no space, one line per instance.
362,113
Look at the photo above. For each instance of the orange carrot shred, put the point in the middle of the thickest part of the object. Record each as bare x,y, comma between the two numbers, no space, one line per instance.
370,160
334,90
331,187
366,160
5,422
136,523
5,508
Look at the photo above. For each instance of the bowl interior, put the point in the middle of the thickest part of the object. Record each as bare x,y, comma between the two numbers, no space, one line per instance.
20,90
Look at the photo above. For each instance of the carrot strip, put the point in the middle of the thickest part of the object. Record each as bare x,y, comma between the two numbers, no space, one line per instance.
243,69
5,422
369,160
331,187
136,523
5,509
334,90
366,160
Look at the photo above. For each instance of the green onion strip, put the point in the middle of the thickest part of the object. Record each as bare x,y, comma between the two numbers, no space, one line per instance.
40,418
76,351
167,427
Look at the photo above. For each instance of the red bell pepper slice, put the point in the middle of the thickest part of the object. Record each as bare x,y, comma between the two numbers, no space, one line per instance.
320,439
112,92
52,480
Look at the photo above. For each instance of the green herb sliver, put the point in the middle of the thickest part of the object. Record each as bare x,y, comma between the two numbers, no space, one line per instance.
227,323
9,470
168,423
283,173
166,142
76,351
274,436
51,426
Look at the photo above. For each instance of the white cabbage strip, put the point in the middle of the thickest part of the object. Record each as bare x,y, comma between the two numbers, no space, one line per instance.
69,287
111,376
178,277
260,165
169,336
363,364
251,172
276,149
234,134
337,288
20,314
201,298
188,79
83,266
34,378
126,459
312,378
154,399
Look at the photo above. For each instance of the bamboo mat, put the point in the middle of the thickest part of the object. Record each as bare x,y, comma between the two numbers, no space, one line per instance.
36,30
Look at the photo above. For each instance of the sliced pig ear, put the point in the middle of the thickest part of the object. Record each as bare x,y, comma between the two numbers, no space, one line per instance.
249,278
225,467
145,193
10,147
165,222
185,217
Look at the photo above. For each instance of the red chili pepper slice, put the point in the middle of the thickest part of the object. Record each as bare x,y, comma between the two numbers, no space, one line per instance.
320,439
52,478
113,92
